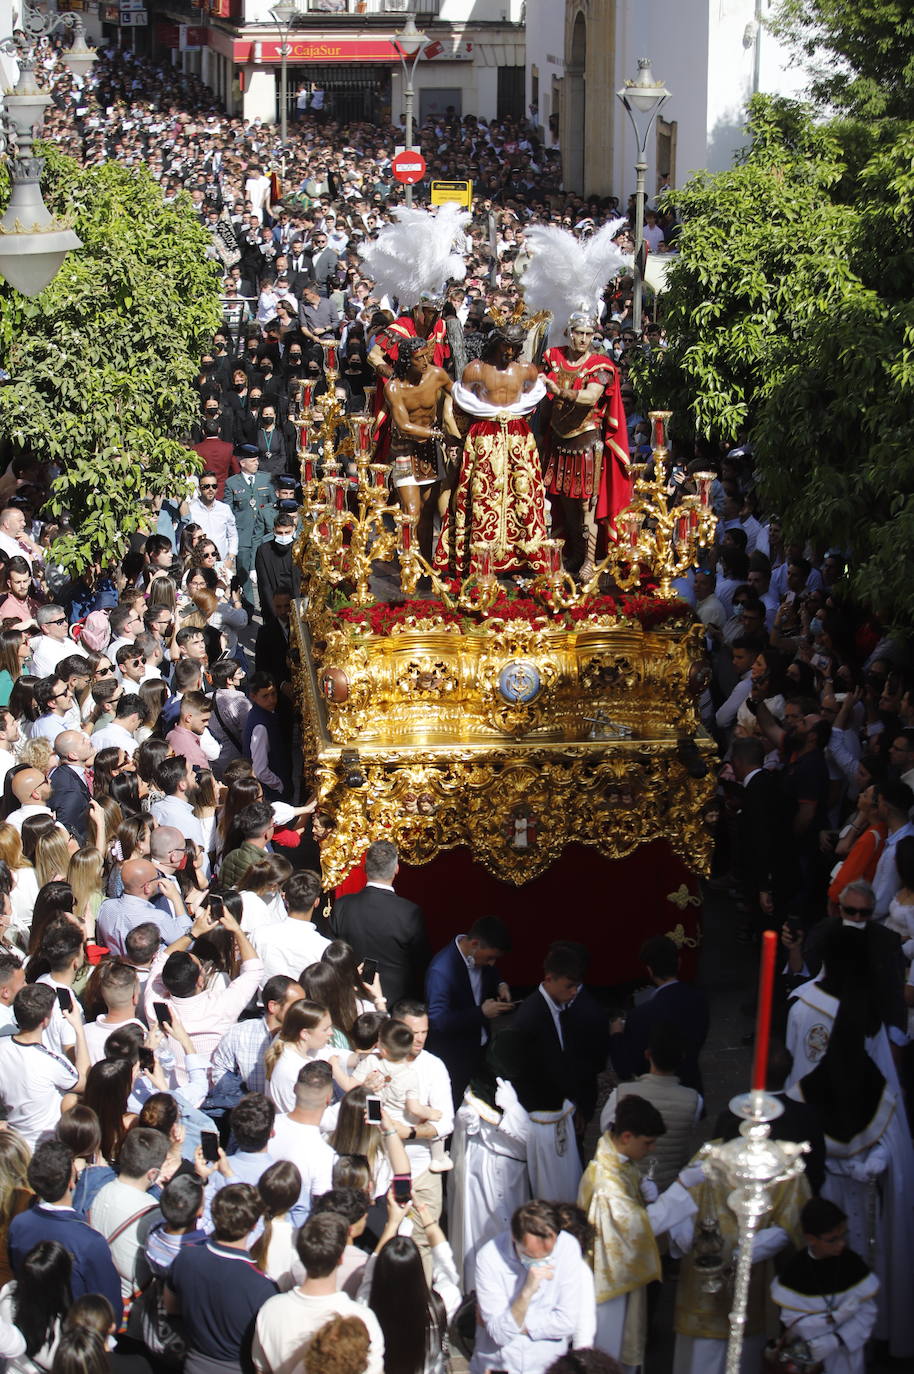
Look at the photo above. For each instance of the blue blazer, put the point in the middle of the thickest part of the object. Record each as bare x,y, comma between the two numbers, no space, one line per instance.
456,1023
93,1267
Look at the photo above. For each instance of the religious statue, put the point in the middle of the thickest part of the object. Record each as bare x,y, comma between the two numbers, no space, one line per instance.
413,397
497,522
587,460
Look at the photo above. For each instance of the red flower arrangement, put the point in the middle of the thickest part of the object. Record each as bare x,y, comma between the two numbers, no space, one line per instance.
387,618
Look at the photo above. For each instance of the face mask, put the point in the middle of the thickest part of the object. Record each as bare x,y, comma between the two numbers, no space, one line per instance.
182,864
283,538
528,1261
815,626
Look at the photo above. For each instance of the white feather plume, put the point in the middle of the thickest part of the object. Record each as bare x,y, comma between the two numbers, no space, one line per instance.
417,253
567,274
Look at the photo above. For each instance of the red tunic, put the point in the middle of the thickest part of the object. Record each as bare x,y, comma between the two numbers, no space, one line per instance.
570,466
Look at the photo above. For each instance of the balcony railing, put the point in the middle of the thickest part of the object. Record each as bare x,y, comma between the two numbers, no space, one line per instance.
338,8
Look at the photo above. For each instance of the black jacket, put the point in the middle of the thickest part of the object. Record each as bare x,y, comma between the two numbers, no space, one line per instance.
380,925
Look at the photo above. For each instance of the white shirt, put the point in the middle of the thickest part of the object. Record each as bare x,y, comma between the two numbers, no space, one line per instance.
280,1087
556,1013
306,1148
48,652
48,727
218,524
60,1035
434,1091
114,736
177,812
32,1081
16,818
552,1313
97,1033
287,947
286,1323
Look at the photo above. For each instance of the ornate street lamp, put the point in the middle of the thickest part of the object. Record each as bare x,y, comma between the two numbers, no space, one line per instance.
33,244
409,43
284,13
642,99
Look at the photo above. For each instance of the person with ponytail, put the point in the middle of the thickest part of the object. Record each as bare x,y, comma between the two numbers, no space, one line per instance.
279,1188
305,1034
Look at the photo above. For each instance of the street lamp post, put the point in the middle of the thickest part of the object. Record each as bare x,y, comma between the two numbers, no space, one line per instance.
409,43
284,14
33,244
642,99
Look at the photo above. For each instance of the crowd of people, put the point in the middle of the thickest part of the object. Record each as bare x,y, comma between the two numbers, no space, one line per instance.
246,1125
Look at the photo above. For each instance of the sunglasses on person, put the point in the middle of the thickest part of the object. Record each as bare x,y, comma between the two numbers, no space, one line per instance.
136,662
61,621
208,486
211,553
104,672
858,911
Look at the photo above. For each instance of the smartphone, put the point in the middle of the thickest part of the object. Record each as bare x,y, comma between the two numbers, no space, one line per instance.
369,970
209,1144
64,999
163,1013
215,908
373,1110
403,1189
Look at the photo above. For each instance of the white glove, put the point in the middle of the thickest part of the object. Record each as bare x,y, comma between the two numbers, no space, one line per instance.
845,1310
876,1162
505,1096
692,1175
649,1190
822,1346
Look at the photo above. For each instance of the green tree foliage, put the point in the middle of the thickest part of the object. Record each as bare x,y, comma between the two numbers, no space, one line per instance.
791,322
104,358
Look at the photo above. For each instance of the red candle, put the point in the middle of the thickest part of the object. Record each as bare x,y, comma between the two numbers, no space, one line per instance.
682,523
330,357
763,1014
309,469
406,535
306,390
340,494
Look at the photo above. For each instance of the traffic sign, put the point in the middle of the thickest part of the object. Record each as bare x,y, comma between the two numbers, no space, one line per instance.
458,192
408,166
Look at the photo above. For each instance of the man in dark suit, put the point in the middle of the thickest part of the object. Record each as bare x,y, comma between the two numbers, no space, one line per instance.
464,995
765,847
547,1072
70,793
681,1005
380,925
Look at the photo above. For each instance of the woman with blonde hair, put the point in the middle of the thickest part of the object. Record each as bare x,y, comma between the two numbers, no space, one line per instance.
52,856
85,874
259,889
354,1134
105,819
304,1036
25,884
15,1193
37,753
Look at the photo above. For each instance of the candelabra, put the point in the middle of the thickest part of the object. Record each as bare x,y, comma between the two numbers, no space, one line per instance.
657,540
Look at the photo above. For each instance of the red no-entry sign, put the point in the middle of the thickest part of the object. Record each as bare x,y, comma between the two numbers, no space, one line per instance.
408,166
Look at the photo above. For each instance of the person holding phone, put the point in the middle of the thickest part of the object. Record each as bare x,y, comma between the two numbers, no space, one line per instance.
36,1083
465,996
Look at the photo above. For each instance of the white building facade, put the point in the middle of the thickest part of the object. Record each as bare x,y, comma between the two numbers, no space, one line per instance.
710,54
473,60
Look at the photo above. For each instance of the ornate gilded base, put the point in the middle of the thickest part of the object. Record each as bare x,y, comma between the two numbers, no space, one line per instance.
511,737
